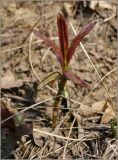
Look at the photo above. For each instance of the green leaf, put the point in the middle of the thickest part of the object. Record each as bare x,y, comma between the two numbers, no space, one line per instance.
113,127
19,119
65,93
53,76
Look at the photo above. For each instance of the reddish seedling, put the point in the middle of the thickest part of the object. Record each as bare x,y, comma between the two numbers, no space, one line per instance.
64,54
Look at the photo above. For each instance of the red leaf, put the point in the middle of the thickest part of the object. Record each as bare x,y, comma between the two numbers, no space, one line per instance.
24,129
63,35
76,80
50,43
5,113
76,41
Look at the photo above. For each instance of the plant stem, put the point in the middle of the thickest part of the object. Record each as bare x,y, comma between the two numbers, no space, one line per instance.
57,101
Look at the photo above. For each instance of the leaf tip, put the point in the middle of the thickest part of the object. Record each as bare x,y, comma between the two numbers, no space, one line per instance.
93,24
59,15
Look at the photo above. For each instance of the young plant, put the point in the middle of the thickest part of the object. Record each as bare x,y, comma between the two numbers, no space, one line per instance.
64,54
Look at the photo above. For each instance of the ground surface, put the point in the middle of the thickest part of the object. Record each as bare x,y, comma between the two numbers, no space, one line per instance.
20,86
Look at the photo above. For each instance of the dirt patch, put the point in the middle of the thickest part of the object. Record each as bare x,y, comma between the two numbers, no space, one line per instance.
77,135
